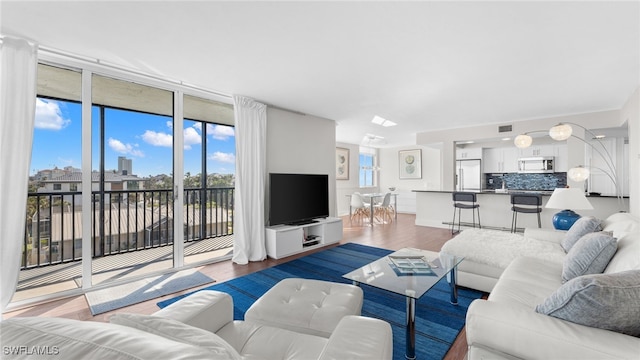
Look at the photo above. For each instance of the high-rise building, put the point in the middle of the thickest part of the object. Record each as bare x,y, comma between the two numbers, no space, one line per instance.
124,166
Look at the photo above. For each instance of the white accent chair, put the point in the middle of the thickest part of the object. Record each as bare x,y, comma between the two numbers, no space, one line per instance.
359,209
384,210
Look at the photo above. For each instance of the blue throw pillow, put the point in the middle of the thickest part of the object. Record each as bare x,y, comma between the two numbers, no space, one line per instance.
590,255
604,301
583,226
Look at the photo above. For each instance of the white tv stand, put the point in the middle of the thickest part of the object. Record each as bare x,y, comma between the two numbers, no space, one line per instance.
285,240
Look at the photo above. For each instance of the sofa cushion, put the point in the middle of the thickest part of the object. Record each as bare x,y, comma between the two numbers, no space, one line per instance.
605,301
583,226
627,257
177,331
590,255
73,339
621,224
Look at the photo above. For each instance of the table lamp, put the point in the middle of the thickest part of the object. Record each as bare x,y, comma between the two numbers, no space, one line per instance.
568,199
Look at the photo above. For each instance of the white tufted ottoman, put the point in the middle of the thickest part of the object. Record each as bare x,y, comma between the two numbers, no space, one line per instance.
309,306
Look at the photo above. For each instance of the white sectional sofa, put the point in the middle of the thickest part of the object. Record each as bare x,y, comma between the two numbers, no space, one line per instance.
533,313
200,326
487,253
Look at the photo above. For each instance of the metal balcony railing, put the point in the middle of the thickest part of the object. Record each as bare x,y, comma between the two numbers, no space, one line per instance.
121,221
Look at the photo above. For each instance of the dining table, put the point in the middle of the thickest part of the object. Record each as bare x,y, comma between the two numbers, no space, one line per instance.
371,198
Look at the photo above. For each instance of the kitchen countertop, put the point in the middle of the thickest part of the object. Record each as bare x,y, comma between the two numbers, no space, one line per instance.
511,191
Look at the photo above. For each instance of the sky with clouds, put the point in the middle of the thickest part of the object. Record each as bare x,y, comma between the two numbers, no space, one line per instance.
146,139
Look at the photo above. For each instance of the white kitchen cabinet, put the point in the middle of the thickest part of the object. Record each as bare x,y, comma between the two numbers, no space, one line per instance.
468,153
510,157
492,158
500,160
538,150
561,161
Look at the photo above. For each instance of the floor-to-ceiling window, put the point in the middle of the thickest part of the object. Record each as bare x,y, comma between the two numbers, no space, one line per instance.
52,229
209,178
132,141
133,192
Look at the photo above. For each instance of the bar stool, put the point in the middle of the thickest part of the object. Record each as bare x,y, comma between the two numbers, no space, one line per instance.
533,205
465,200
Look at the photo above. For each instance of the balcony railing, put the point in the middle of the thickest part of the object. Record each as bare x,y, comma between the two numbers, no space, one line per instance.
121,221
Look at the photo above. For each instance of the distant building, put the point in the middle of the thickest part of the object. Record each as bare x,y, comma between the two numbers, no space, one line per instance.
48,174
125,166
72,182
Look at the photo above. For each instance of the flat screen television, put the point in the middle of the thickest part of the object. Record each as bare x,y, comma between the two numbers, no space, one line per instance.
298,198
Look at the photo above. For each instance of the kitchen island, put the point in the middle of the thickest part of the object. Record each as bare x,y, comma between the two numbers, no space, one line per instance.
435,208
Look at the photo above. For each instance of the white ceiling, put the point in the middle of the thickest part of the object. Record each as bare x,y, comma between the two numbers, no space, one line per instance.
424,65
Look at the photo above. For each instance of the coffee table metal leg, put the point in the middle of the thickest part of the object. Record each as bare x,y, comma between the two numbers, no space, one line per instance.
411,328
454,287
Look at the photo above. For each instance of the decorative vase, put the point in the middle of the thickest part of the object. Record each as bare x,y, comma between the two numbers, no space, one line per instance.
564,219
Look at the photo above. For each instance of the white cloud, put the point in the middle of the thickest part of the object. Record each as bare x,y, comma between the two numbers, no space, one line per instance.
157,138
220,132
198,126
122,148
191,137
49,116
170,124
223,157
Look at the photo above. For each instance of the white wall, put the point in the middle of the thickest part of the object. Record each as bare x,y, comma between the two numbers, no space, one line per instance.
630,113
303,144
390,175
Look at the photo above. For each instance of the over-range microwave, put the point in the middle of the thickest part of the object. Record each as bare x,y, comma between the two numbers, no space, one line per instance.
541,164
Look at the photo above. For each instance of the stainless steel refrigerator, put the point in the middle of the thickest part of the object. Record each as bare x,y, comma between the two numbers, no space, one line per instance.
468,175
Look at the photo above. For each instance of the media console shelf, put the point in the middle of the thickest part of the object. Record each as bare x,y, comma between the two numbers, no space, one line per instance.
285,240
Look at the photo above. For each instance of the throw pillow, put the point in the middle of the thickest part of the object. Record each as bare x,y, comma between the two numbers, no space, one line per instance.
583,226
590,255
605,301
177,331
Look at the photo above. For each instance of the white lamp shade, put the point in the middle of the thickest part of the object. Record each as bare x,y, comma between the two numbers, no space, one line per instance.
578,173
568,199
523,141
561,132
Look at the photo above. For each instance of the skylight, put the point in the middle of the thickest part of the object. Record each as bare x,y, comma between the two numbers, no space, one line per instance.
381,121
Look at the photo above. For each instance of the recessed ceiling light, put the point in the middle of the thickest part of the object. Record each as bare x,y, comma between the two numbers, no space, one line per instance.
381,121
506,139
600,136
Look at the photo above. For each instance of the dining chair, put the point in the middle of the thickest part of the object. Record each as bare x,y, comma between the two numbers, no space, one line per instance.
384,208
358,207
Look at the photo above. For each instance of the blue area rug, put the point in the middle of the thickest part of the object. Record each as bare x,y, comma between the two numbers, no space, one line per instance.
437,321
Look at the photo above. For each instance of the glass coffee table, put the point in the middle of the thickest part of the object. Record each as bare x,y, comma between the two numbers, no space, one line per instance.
411,273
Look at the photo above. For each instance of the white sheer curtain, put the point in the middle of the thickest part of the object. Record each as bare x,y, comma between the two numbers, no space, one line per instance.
18,66
249,213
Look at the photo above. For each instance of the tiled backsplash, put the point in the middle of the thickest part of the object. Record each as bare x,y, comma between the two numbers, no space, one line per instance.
517,181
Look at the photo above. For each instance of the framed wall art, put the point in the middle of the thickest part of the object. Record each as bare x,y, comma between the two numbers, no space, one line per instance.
410,164
342,164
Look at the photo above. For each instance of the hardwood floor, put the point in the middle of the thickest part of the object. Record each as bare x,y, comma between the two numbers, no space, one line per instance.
399,234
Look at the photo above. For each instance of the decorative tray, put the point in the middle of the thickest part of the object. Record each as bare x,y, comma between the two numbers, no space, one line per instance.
411,265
